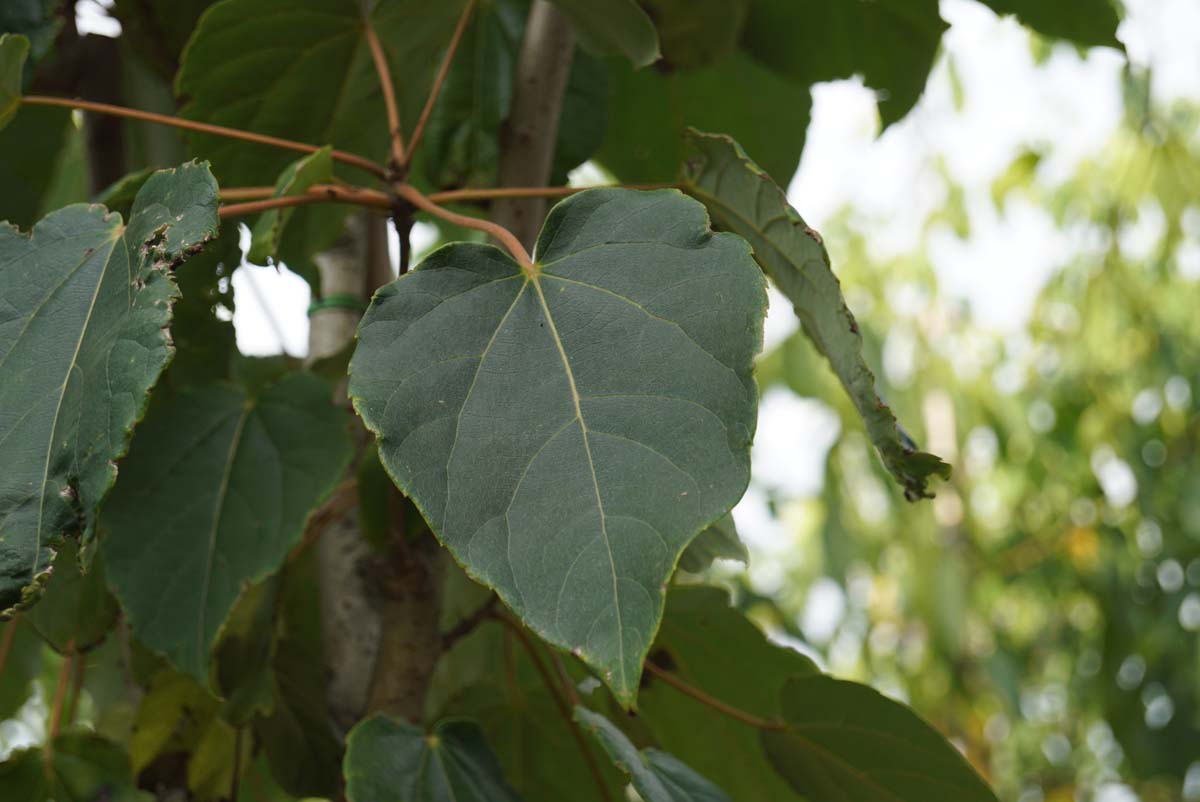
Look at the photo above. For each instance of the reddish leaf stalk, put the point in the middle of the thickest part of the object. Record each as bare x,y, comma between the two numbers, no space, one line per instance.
440,78
395,134
716,704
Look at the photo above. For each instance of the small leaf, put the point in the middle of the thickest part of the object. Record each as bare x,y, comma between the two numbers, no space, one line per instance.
315,168
847,741
214,493
14,48
77,611
719,540
567,432
656,776
81,766
84,305
695,33
389,760
614,27
741,198
1084,22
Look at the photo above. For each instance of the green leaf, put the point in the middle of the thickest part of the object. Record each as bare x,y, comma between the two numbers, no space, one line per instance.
741,198
315,168
202,326
656,776
35,146
77,611
301,69
158,30
713,647
718,541
650,110
567,433
847,741
695,33
13,50
389,760
171,717
84,305
39,20
614,27
890,43
82,766
21,666
215,492
1084,22
246,651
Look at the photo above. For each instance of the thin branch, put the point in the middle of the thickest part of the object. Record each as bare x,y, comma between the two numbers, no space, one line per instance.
325,193
716,704
501,233
6,641
467,625
389,91
60,692
561,704
206,128
565,679
340,502
440,78
455,195
76,687
246,193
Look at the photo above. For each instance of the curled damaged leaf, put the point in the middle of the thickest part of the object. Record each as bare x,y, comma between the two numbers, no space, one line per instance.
567,431
743,199
85,301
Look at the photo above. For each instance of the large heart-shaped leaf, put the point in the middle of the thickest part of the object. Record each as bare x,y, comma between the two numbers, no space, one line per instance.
567,431
743,199
656,776
84,305
215,492
847,741
389,760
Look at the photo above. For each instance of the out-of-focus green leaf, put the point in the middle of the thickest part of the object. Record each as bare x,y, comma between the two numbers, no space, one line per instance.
158,30
84,305
246,651
315,168
214,493
82,766
1084,22
202,328
656,776
846,740
741,198
614,27
694,33
718,541
637,327
171,717
650,110
38,20
13,50
890,43
389,760
24,661
713,647
77,611
34,145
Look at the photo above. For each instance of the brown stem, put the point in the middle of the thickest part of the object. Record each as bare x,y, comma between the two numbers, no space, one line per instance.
501,233
76,687
6,641
246,193
716,704
458,195
206,128
60,692
560,703
340,502
440,78
389,91
565,679
327,193
467,625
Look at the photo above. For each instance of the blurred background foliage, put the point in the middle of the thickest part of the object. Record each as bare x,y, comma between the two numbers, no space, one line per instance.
1044,609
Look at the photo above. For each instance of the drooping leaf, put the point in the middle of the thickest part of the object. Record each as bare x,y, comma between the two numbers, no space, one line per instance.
711,646
313,77
567,432
84,303
315,168
77,611
616,27
1088,22
694,33
81,766
657,776
847,741
743,199
13,50
389,760
890,43
215,492
650,110
719,540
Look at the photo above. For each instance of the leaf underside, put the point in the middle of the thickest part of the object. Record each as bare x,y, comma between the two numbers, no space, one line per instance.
84,305
567,434
741,198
